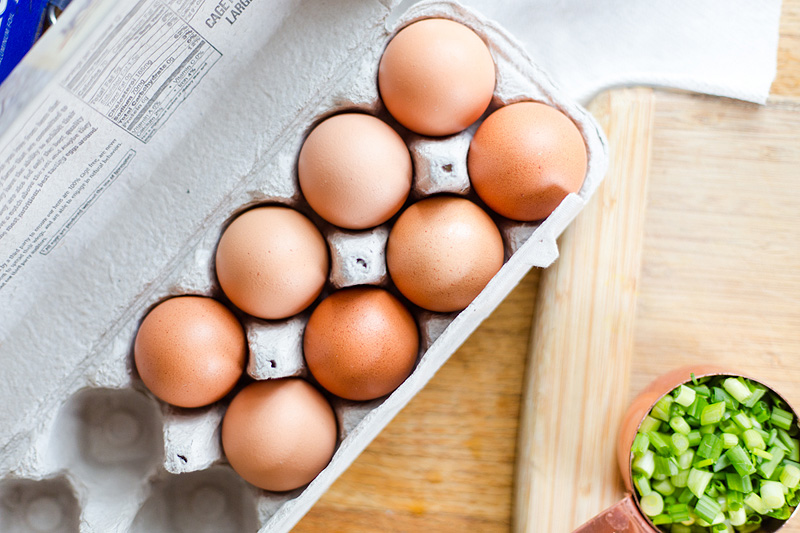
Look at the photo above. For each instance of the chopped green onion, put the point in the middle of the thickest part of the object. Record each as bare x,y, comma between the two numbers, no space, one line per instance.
739,483
685,459
710,447
697,407
652,504
645,464
659,442
728,426
661,409
761,411
712,413
734,500
772,494
642,484
661,519
640,444
721,396
704,463
737,517
755,503
719,525
686,496
711,428
679,425
737,389
698,481
758,392
702,390
666,466
676,410
649,424
722,463
696,451
684,395
782,419
664,487
782,513
678,512
729,440
742,420
785,438
707,509
763,454
740,461
773,435
767,468
790,476
679,444
753,440
680,479
794,453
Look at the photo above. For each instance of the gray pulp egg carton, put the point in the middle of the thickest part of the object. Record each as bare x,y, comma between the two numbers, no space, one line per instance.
83,445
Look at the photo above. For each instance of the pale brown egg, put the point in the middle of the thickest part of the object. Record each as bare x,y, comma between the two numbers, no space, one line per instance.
190,351
279,434
355,171
442,252
361,343
524,160
272,262
436,77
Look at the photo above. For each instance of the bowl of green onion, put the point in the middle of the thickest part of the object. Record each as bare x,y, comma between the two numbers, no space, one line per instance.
717,453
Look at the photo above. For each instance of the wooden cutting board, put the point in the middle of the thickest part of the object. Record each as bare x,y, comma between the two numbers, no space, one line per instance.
689,252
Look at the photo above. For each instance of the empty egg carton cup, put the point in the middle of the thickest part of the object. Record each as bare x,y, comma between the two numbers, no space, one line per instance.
113,458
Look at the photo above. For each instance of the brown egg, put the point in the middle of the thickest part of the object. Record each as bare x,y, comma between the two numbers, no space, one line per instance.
190,351
361,343
436,77
524,160
272,262
279,434
355,171
442,252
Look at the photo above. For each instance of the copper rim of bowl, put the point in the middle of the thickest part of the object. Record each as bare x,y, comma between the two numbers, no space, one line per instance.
773,524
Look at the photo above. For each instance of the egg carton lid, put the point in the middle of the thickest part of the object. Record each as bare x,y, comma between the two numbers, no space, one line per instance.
88,247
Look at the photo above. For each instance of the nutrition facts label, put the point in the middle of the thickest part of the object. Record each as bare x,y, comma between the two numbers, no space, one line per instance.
141,70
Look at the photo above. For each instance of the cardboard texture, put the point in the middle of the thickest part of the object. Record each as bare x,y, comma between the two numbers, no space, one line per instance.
132,134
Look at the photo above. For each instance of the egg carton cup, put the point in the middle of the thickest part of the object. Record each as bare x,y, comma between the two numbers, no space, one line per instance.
110,457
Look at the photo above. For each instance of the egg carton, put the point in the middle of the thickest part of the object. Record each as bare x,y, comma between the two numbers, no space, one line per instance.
112,458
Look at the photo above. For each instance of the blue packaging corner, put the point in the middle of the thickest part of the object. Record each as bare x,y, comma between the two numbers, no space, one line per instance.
21,23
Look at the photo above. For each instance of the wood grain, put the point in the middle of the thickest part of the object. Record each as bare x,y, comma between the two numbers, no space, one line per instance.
719,280
582,337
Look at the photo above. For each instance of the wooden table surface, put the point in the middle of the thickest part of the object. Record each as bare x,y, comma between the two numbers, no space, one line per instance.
719,281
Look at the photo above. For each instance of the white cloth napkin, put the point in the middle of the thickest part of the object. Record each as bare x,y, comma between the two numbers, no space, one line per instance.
721,47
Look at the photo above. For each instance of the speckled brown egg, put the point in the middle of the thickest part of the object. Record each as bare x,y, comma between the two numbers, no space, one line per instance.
442,252
361,343
355,171
279,434
272,262
190,351
525,158
436,77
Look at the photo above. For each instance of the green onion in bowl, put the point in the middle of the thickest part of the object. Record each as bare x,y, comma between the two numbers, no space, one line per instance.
717,454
